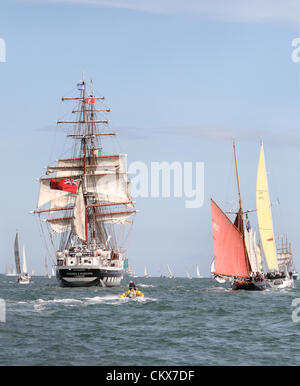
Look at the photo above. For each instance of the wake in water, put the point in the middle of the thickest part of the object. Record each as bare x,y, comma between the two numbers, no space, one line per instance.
145,285
40,305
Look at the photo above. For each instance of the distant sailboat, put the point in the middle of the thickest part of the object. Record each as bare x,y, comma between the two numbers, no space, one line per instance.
188,275
23,277
198,272
171,276
276,278
146,275
46,269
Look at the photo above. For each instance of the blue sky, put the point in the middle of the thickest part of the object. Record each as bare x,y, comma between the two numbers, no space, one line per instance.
182,79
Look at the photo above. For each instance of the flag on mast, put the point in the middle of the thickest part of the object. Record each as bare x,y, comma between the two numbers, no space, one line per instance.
65,184
89,100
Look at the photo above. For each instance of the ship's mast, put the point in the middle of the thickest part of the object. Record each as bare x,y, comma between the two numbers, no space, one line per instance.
240,215
86,135
237,178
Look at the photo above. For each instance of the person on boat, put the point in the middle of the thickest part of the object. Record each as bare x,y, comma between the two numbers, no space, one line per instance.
132,285
132,293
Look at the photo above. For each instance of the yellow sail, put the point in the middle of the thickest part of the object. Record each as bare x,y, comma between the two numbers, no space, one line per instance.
264,215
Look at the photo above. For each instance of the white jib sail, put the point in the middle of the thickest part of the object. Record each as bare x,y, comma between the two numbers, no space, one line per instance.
250,240
24,261
79,217
170,272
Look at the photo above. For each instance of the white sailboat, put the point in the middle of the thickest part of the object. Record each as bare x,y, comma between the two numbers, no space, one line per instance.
275,278
171,276
23,277
146,275
188,275
198,272
47,274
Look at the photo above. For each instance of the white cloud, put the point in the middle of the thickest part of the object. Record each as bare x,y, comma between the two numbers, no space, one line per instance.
229,10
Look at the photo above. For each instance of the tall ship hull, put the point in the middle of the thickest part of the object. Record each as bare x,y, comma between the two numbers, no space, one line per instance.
87,202
80,267
87,277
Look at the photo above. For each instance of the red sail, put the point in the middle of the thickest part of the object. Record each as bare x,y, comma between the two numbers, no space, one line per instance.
229,249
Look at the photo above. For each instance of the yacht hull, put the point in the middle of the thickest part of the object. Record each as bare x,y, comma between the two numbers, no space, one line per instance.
249,286
280,283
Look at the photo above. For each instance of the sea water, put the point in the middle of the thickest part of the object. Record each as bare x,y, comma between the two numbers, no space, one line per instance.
179,322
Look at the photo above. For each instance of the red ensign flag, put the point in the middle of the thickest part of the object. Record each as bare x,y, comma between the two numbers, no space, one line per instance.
65,184
89,100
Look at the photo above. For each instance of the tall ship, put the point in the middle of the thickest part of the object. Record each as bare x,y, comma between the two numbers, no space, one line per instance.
285,256
85,202
235,254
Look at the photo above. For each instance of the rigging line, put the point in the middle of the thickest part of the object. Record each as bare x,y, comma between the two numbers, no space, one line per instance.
42,236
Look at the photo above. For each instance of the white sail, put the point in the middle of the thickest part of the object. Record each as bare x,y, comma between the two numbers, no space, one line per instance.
115,218
60,225
250,241
171,276
146,273
24,261
259,257
198,272
77,223
109,187
104,164
188,275
79,217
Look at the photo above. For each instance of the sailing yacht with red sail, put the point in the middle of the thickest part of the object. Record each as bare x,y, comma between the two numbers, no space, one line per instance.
230,252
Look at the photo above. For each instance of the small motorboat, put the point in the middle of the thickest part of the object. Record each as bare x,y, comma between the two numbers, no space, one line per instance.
132,293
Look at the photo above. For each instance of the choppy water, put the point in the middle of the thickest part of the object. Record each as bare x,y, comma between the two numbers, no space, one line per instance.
179,322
